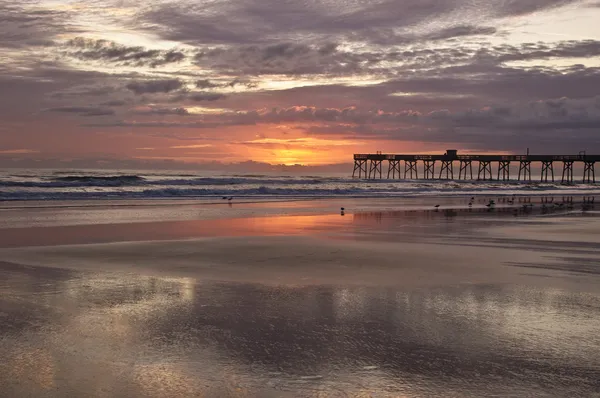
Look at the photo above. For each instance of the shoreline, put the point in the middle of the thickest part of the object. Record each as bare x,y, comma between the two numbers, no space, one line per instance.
255,199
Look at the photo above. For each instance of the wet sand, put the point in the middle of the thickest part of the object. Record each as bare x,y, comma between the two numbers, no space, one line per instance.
387,300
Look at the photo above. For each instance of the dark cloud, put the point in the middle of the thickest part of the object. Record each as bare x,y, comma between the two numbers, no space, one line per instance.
205,83
540,51
163,111
523,7
328,59
504,126
268,21
203,96
461,31
83,110
78,91
22,25
114,103
155,86
108,51
287,59
208,84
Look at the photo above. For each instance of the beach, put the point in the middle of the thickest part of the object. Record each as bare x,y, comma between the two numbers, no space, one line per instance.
294,298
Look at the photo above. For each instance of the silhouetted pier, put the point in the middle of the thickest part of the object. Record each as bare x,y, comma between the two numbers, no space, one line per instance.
371,166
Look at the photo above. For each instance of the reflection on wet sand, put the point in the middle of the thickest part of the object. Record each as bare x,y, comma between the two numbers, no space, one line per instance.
453,302
109,334
428,220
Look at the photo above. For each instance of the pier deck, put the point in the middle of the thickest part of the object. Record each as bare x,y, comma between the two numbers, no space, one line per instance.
371,166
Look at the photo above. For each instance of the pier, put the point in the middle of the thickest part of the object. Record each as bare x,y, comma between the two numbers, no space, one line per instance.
372,166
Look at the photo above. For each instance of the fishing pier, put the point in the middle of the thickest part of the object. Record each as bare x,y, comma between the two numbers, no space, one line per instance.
371,166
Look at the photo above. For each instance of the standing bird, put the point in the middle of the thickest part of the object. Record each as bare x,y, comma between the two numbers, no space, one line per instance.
436,206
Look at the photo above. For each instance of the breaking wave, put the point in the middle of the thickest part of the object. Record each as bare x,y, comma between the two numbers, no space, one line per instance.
134,180
44,185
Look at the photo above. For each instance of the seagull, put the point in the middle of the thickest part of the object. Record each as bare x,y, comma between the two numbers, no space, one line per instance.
436,206
343,209
470,204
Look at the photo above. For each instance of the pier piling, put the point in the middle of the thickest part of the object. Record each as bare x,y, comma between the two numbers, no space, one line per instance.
465,165
504,170
567,174
485,170
589,175
411,166
429,169
547,167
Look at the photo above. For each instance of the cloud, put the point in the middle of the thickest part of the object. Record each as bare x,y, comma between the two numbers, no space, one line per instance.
24,25
83,110
285,58
162,111
17,151
260,22
114,103
191,146
199,97
461,31
205,83
539,51
109,51
155,86
208,84
299,142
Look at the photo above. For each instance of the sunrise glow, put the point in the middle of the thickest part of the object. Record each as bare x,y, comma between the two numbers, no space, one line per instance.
145,83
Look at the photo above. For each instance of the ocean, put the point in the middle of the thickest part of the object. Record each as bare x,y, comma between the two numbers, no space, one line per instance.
39,185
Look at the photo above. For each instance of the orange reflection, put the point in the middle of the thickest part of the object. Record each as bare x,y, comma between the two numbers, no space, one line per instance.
170,230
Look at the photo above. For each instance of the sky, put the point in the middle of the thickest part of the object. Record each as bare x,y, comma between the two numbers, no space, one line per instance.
310,82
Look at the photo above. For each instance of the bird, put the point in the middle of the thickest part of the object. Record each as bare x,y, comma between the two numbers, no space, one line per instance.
343,209
230,198
470,204
224,197
436,206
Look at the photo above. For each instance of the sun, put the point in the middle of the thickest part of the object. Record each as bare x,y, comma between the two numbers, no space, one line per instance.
290,157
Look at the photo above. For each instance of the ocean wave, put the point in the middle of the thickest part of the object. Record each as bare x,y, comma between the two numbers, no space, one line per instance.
348,190
87,179
133,180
